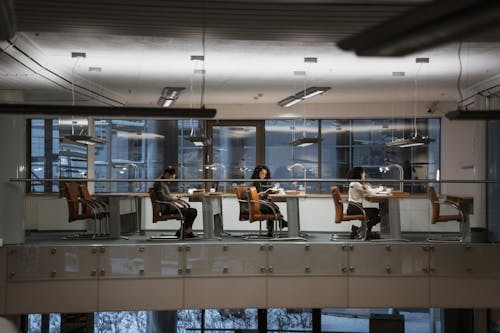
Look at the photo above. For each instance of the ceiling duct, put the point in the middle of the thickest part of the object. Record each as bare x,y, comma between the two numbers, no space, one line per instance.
7,20
431,24
473,115
106,111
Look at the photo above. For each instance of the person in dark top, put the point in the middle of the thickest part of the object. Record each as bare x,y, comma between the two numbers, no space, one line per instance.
164,194
264,188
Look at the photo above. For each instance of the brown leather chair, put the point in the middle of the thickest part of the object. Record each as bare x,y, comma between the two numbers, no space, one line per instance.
78,210
243,202
341,217
437,217
158,216
99,206
254,211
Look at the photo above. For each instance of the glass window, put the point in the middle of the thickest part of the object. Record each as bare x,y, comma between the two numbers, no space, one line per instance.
140,149
362,142
236,149
53,155
288,161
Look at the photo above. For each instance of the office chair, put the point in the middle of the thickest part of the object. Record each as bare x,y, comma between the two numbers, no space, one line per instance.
99,206
158,216
341,217
436,216
79,210
255,214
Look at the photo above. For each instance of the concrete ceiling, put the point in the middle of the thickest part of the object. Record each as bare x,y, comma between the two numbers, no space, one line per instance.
254,54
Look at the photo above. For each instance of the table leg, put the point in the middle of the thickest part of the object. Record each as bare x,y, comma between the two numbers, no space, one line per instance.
114,217
292,211
385,225
208,217
394,219
212,216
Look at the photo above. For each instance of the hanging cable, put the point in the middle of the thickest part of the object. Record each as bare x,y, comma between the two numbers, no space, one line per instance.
203,22
415,131
73,81
459,77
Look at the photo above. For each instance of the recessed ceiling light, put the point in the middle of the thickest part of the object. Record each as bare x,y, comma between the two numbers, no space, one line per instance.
78,55
311,59
198,57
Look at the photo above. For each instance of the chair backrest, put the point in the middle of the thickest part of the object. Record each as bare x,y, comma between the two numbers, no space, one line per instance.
157,216
241,194
254,205
72,192
434,199
337,203
154,204
339,208
84,192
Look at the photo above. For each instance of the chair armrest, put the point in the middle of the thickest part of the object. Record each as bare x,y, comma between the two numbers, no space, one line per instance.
360,206
173,204
452,204
267,204
182,203
93,207
99,204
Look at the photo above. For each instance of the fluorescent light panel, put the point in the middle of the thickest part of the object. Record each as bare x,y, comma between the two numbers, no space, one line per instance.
169,95
304,142
199,141
84,139
410,142
302,95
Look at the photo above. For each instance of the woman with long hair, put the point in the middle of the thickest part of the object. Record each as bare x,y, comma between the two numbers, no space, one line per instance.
261,176
357,192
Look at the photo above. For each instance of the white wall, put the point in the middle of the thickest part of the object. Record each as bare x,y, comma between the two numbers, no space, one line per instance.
463,157
12,151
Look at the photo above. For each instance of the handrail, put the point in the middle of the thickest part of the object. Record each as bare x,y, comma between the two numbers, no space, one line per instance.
192,180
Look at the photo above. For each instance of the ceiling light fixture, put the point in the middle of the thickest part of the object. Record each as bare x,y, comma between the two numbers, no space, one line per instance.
412,141
169,95
482,114
84,139
304,142
415,139
199,141
302,95
428,25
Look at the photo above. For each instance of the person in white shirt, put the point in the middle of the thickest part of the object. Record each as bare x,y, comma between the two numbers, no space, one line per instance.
357,192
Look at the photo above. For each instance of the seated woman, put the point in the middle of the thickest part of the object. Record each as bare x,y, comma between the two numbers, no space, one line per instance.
264,188
357,192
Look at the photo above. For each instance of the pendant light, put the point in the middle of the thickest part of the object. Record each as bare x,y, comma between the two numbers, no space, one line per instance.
415,139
